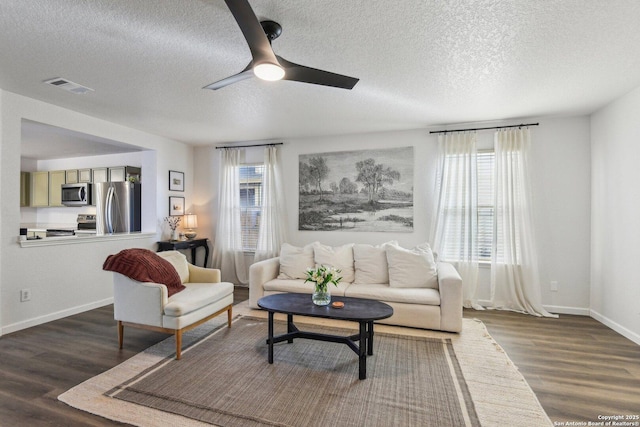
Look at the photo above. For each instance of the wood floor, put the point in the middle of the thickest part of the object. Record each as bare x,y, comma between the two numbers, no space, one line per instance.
577,367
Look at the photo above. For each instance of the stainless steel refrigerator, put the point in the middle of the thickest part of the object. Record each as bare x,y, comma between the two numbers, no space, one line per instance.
118,207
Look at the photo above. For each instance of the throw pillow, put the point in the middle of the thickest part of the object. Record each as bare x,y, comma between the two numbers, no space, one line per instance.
371,263
340,257
179,262
412,268
145,266
294,261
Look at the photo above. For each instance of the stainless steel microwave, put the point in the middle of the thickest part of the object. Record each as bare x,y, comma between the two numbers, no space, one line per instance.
76,194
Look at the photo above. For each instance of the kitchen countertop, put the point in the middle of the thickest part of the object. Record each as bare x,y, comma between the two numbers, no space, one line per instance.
41,227
84,238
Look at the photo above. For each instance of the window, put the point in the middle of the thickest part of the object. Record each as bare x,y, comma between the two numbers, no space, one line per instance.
454,245
485,167
250,204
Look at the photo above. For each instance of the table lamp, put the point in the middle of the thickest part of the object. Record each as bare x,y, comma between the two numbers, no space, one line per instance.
190,222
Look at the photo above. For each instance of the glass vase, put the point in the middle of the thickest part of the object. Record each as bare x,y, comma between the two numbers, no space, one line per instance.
321,296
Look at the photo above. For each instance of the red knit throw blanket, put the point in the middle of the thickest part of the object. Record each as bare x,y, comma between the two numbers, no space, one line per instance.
144,265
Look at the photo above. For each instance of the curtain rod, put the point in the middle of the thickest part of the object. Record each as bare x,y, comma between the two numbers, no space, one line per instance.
245,146
491,127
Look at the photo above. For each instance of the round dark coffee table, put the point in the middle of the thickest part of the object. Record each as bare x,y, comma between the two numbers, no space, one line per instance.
360,310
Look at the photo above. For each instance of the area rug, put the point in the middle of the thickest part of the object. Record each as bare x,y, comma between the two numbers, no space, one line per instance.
224,379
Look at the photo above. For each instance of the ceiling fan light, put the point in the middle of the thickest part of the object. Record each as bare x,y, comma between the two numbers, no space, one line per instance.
268,71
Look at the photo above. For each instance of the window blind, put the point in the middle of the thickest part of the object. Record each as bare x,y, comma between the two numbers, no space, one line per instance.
454,245
485,168
250,204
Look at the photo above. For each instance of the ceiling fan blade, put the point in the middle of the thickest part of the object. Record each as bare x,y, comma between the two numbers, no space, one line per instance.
301,73
252,30
242,75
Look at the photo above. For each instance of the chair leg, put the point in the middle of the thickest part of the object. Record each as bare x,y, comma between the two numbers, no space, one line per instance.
120,333
178,344
229,315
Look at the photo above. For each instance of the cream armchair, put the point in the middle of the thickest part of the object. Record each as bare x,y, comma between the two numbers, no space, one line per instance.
147,305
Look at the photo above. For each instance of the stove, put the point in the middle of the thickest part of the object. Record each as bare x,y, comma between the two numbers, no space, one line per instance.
86,222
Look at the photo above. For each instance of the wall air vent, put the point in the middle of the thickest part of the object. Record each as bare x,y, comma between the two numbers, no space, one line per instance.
69,86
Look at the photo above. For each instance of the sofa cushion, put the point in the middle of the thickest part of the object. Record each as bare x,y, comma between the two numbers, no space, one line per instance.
294,261
370,263
384,292
298,286
411,268
340,257
179,262
196,296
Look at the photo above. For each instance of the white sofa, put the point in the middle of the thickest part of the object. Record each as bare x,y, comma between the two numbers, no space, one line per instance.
417,300
147,305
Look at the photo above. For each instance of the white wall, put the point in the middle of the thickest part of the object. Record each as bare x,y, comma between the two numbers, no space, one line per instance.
561,186
615,228
205,191
68,279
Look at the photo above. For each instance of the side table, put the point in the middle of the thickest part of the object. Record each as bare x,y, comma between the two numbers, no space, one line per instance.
174,245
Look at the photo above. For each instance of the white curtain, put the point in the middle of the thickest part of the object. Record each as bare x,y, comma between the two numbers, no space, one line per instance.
228,254
455,227
273,215
514,265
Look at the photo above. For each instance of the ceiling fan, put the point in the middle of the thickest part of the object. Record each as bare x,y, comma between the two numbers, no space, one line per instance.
266,64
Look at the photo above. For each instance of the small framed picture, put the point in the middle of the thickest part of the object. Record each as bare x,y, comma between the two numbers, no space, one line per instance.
176,206
176,181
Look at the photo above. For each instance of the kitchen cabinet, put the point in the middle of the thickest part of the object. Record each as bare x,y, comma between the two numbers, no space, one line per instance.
84,175
39,189
56,179
124,173
44,188
117,174
99,175
25,189
72,176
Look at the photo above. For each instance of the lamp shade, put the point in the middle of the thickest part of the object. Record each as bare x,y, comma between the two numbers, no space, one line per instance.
190,221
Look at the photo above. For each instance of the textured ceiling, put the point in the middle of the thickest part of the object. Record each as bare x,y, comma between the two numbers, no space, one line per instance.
420,62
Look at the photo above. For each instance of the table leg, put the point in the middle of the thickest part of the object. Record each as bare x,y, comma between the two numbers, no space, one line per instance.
362,366
270,339
290,326
206,253
193,256
370,339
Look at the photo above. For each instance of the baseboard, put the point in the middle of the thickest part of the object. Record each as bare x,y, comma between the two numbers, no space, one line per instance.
55,316
556,309
616,327
559,309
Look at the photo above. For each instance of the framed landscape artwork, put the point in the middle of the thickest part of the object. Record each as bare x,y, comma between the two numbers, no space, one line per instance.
176,181
176,206
365,190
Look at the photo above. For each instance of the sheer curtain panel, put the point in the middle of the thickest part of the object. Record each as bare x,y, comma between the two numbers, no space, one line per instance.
515,282
228,254
273,216
455,228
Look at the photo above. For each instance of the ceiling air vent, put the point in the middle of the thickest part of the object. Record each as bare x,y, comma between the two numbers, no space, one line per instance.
69,86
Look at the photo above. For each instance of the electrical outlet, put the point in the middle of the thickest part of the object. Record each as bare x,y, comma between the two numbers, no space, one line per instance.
25,295
554,286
